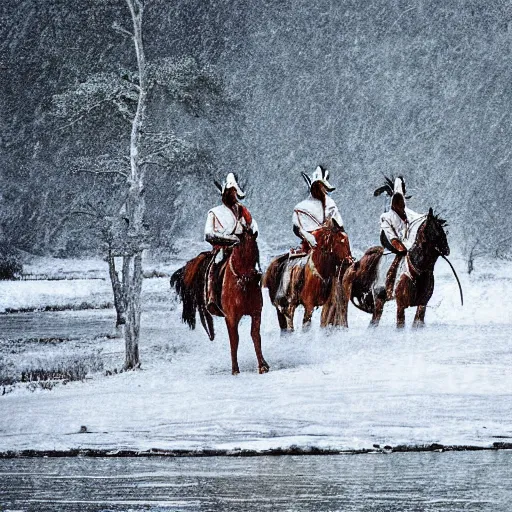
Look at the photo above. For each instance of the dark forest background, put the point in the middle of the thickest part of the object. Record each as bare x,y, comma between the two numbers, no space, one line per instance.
419,88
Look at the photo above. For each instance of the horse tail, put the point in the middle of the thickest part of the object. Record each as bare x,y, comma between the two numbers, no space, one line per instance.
360,278
273,275
188,315
206,321
189,283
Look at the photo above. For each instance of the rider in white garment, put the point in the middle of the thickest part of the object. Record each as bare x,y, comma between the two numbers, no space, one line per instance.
310,214
395,224
223,224
398,228
226,221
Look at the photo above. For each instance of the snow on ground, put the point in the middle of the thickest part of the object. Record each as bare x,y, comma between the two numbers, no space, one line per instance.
70,283
36,294
449,383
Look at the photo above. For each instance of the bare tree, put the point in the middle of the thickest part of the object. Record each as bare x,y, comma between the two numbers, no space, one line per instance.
126,232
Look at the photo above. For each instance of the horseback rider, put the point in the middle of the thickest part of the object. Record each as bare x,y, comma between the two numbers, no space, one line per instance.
223,225
395,227
310,214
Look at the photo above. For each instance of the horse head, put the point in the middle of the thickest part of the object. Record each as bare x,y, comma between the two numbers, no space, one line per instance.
332,239
435,232
245,256
432,234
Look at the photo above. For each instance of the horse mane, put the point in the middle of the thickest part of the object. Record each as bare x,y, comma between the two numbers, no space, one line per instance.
435,218
439,220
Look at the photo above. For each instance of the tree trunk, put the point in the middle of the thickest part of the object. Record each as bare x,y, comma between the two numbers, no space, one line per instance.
135,205
470,264
117,288
471,258
133,285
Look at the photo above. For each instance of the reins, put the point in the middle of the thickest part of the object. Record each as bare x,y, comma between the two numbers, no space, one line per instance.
455,274
413,222
245,278
415,270
314,270
410,264
239,276
412,267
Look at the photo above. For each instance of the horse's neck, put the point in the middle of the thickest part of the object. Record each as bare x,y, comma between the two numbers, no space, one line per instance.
413,229
244,258
423,255
323,261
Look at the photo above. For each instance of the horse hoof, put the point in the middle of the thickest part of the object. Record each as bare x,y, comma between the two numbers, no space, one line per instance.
263,367
235,372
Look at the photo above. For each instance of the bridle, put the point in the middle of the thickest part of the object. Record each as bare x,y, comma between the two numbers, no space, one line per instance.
325,249
411,266
418,273
243,277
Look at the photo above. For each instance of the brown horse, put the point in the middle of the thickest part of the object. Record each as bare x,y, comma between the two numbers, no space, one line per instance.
241,294
311,277
414,286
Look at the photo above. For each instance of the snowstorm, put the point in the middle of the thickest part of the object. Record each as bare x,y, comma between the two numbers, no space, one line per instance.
254,227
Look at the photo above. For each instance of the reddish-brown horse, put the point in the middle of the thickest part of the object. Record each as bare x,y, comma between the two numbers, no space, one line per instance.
311,277
414,286
240,295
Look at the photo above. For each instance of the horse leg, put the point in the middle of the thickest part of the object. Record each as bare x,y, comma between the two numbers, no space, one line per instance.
328,316
419,318
344,312
289,313
263,366
281,318
332,310
377,312
403,300
308,314
232,325
346,295
400,316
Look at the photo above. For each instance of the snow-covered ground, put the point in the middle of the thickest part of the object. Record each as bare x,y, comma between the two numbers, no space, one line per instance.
449,383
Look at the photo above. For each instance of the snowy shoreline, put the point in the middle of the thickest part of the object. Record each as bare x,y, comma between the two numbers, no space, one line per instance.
276,452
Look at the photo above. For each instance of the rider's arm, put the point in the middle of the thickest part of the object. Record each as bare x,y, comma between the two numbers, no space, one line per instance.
398,246
391,233
386,225
333,212
217,237
301,232
254,226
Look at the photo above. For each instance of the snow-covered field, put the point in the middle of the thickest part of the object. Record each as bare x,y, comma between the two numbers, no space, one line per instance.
449,383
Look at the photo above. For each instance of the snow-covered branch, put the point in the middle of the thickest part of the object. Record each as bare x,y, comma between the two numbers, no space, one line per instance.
78,102
166,150
196,86
121,30
103,164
